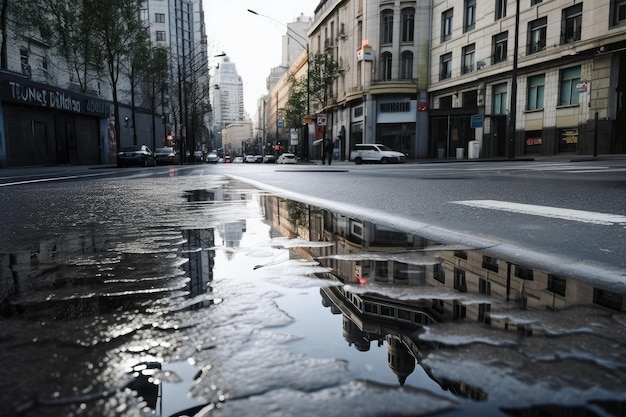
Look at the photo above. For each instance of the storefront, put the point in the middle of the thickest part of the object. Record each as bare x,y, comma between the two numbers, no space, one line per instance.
45,125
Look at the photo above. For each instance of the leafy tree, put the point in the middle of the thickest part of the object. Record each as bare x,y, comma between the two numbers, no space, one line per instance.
323,70
296,107
155,83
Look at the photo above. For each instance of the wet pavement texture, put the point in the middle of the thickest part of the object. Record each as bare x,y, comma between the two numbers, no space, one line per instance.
212,298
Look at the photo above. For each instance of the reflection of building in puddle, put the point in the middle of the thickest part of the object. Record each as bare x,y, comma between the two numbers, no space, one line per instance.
232,233
198,248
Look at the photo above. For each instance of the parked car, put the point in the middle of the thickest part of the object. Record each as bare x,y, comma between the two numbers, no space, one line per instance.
237,159
211,158
166,156
198,156
249,158
269,159
375,152
286,158
136,155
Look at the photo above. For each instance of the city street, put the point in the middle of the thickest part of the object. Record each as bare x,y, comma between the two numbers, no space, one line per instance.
487,288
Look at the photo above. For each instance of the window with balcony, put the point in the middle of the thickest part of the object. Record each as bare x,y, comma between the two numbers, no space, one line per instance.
445,66
536,85
499,98
469,17
408,24
446,24
618,12
500,9
468,58
386,27
537,35
385,66
568,93
406,71
571,24
499,47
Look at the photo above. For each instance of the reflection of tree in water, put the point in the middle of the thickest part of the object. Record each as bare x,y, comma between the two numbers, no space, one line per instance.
298,215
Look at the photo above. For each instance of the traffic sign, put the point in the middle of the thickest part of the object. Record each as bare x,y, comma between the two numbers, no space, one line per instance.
321,119
476,121
280,124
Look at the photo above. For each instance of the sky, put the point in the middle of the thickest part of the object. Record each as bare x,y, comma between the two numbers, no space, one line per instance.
252,42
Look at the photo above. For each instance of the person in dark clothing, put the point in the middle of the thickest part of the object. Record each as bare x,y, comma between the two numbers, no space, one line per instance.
328,151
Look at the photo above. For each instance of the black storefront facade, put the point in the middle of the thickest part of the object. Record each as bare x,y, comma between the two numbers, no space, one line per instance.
45,125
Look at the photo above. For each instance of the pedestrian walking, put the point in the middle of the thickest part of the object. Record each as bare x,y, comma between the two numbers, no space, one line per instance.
328,151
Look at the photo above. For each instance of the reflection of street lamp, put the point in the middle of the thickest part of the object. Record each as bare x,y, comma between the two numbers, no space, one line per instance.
308,67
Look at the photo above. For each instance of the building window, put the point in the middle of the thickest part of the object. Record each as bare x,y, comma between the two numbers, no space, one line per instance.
407,65
618,12
500,9
534,2
159,17
536,85
382,269
557,284
446,25
490,263
499,98
445,102
537,35
385,66
160,36
571,24
468,58
439,273
469,18
445,65
568,94
408,25
607,299
458,253
523,272
459,280
500,42
144,15
386,27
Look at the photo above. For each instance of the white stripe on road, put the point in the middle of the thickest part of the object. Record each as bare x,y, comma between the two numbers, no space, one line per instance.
71,177
545,211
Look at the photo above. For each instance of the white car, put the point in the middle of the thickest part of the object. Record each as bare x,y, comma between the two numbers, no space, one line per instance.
286,158
250,158
375,152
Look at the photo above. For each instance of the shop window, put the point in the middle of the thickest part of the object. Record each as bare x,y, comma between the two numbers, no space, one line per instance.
470,98
500,9
536,86
385,66
537,35
469,18
446,24
408,24
468,58
407,65
499,47
533,142
445,65
557,284
499,104
618,12
568,94
386,27
571,24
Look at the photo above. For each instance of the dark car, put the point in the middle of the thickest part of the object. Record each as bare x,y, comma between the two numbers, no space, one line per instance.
135,155
166,156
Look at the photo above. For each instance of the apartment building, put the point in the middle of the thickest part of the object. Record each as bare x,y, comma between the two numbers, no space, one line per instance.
380,93
557,89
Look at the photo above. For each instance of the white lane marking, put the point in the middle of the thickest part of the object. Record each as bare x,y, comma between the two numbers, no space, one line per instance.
545,211
71,177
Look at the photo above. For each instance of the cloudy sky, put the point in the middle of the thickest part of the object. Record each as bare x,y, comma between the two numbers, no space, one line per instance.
252,42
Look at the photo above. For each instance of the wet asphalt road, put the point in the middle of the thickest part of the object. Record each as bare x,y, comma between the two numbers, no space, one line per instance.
110,272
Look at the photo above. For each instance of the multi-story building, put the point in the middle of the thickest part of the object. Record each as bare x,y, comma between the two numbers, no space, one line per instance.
382,51
560,83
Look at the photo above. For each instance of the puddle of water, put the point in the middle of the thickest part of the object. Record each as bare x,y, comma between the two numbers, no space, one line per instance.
247,303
